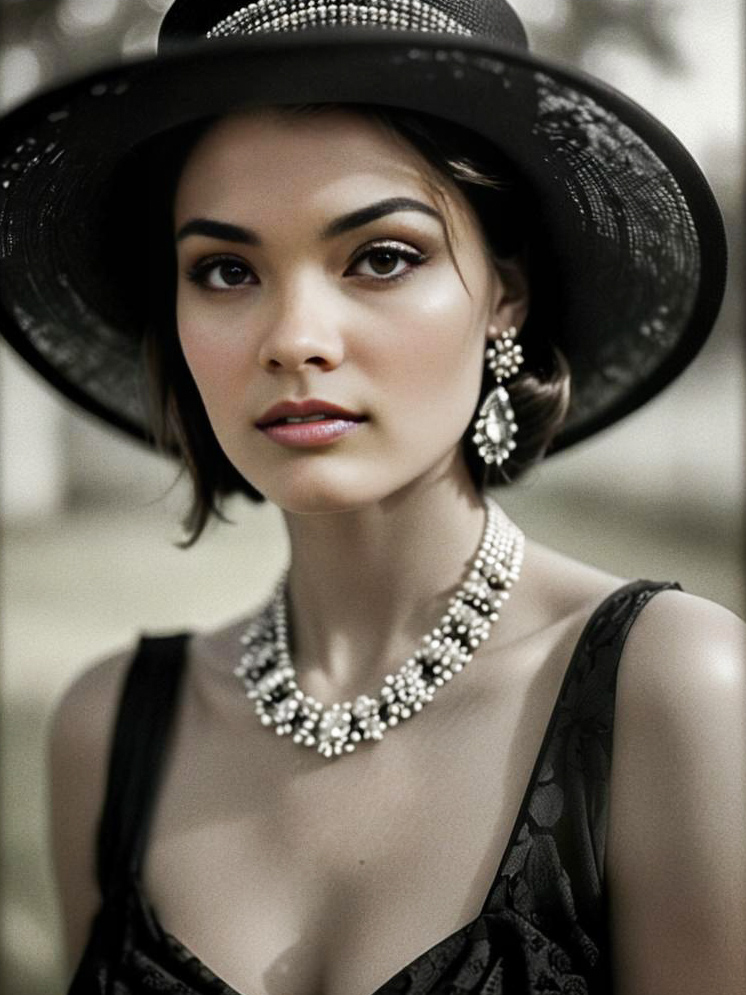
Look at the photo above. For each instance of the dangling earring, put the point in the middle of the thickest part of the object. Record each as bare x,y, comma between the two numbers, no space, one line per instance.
495,425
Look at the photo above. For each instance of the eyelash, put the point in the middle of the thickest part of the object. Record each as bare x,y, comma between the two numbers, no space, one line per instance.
411,255
200,271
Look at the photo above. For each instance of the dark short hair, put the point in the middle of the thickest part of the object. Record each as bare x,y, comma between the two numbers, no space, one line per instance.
499,198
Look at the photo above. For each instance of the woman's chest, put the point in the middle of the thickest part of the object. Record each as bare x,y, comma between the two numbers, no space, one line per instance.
287,873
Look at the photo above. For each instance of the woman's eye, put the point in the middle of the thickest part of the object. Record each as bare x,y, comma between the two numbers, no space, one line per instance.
386,262
221,274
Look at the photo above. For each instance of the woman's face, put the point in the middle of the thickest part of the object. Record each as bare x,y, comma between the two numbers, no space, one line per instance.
314,266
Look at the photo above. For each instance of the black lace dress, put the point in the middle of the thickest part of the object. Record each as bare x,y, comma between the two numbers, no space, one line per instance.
543,927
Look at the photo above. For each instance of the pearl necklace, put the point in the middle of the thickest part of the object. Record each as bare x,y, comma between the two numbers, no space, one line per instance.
268,675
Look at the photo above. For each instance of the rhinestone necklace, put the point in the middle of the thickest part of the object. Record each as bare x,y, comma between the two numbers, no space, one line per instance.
267,671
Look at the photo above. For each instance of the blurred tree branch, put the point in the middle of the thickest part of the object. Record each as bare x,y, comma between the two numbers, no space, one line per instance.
589,22
67,52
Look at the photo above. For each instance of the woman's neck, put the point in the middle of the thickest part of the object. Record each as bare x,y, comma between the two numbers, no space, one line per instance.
366,585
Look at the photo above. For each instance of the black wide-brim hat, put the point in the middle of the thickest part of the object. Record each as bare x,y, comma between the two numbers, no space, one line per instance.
627,223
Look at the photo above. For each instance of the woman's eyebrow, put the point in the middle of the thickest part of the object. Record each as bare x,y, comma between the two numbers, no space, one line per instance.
226,232
364,215
218,229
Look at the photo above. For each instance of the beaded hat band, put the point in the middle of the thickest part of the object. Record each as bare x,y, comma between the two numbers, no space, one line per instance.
489,19
276,15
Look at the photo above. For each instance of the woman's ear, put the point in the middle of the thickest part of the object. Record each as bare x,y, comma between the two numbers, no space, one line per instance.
511,299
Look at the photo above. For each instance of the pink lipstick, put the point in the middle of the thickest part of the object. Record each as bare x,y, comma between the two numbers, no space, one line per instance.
304,424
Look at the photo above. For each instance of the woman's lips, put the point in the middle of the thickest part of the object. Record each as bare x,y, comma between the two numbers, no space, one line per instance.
307,434
307,423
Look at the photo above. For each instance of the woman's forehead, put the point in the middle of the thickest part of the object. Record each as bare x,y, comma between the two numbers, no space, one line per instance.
271,152
268,127
282,170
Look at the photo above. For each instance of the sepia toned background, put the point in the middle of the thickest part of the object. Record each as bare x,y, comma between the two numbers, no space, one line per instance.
90,521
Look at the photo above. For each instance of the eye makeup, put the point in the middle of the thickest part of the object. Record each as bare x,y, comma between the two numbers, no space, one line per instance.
200,272
380,254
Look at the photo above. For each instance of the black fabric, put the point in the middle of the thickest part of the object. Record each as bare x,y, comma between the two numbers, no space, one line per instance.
543,927
146,711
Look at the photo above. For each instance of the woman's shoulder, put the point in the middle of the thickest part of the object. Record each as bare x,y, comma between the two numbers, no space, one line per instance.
681,693
84,714
79,736
88,706
84,717
673,625
685,641
680,647
675,854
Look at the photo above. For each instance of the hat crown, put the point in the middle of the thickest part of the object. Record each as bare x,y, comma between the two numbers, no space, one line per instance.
188,21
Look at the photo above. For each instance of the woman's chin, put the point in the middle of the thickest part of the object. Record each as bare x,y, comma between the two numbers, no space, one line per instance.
316,494
321,495
330,485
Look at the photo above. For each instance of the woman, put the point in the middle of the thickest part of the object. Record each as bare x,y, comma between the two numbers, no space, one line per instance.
355,327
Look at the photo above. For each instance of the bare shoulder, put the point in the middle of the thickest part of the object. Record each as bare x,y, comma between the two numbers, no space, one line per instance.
684,659
82,725
693,631
85,711
79,740
676,855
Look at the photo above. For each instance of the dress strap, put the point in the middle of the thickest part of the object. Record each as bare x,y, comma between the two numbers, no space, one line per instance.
549,894
565,808
144,722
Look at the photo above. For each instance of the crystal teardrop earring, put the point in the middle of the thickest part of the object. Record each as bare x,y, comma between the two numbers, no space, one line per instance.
495,426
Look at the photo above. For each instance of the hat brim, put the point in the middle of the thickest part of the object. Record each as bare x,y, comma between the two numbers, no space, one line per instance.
627,221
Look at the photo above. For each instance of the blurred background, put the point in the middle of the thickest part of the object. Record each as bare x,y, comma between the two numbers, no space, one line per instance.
90,521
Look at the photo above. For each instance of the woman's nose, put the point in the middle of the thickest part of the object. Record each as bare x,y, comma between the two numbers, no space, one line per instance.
302,334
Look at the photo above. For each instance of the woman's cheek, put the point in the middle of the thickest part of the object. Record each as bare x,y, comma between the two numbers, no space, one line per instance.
439,342
213,357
